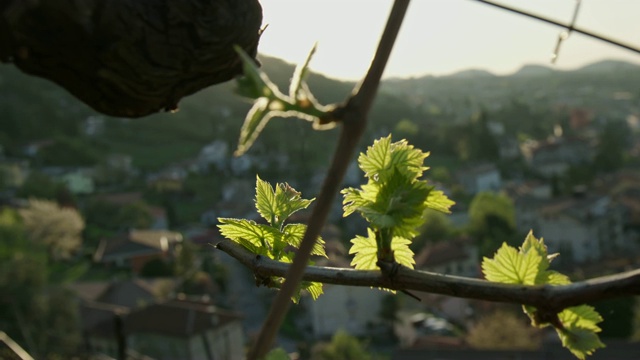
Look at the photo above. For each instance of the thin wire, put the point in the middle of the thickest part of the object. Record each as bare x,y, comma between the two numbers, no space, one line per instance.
564,34
556,23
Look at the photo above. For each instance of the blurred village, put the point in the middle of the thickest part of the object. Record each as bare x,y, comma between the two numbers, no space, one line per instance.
107,231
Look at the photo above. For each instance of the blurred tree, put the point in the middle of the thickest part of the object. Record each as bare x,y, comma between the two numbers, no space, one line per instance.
437,227
111,217
492,222
38,185
484,146
134,216
406,129
185,259
68,151
342,347
504,330
37,314
612,144
59,229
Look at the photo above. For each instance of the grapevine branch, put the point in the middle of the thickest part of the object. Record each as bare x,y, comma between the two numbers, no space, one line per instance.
551,298
353,116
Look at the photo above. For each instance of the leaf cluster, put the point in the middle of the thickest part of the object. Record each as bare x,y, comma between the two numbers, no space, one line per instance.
393,201
576,326
270,102
276,239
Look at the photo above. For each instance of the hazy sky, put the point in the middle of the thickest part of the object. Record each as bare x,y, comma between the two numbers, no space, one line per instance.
444,36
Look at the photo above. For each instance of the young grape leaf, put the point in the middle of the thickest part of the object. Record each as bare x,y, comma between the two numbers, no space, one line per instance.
289,201
314,289
512,267
401,251
580,330
384,155
265,200
242,231
277,205
366,252
274,205
398,203
293,233
438,201
576,326
583,316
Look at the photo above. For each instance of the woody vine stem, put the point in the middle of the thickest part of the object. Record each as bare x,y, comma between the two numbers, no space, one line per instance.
353,118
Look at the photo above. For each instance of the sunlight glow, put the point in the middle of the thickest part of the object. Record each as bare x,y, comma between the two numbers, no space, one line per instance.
444,36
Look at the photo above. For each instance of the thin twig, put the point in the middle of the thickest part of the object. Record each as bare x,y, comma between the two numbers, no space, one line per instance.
353,117
553,298
556,23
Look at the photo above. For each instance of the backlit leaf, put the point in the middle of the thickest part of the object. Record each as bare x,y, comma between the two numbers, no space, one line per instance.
438,201
512,267
260,236
366,252
293,234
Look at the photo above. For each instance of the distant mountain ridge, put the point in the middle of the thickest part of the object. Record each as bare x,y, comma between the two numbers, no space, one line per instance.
534,70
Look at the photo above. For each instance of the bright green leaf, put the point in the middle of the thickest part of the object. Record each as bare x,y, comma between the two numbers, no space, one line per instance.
289,201
277,205
552,277
583,316
438,201
512,267
401,251
384,155
245,231
265,200
293,234
580,342
366,252
314,289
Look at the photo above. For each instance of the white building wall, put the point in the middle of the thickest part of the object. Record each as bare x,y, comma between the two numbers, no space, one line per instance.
345,307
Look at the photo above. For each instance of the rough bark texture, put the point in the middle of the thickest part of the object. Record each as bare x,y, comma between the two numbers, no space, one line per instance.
129,58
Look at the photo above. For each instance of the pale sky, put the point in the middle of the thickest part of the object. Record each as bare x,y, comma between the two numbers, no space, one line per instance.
444,36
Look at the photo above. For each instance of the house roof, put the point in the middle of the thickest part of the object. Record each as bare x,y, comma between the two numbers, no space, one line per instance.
101,291
98,317
179,317
90,290
137,242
